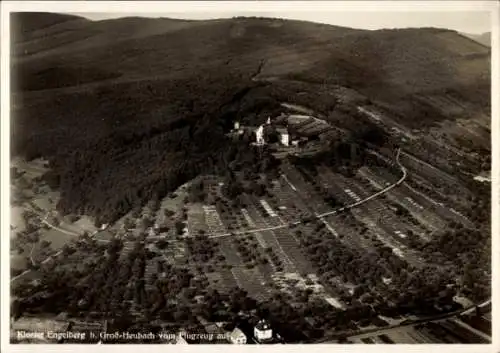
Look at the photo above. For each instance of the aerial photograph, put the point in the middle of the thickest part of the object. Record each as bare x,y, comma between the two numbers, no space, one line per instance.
249,179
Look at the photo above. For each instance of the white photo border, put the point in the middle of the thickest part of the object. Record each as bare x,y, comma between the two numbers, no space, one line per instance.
249,8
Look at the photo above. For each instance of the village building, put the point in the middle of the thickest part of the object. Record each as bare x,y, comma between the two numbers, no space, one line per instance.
180,339
284,136
263,331
259,135
237,337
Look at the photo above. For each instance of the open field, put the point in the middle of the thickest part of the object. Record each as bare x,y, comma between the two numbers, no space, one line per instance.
56,238
85,224
18,262
229,251
16,219
196,219
103,235
31,169
173,203
252,281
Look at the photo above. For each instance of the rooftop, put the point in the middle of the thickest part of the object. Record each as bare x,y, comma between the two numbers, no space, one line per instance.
263,325
237,333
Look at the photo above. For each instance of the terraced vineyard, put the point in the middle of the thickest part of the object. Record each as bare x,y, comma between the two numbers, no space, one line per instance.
213,220
196,219
229,252
291,247
402,197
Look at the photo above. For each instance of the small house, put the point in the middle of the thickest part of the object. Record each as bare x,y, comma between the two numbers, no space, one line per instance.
284,136
237,337
259,135
180,338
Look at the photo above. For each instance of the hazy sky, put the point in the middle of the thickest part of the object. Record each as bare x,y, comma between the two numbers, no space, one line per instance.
462,21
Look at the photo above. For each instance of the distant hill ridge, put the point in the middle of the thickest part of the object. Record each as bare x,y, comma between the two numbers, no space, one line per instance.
287,46
31,21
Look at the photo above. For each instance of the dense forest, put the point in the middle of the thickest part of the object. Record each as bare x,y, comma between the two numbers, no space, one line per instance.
106,171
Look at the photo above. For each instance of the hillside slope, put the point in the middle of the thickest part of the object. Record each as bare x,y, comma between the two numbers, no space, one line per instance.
25,23
106,100
423,59
484,38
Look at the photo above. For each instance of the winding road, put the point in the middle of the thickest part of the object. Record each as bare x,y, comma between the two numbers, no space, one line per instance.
378,193
44,220
323,215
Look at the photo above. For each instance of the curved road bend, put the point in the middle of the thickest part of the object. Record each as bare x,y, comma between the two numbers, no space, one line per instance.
322,215
378,193
44,220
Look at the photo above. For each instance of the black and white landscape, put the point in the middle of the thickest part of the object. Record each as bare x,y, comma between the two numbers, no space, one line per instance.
248,180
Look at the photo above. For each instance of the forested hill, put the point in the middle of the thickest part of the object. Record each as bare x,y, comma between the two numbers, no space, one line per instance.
126,108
